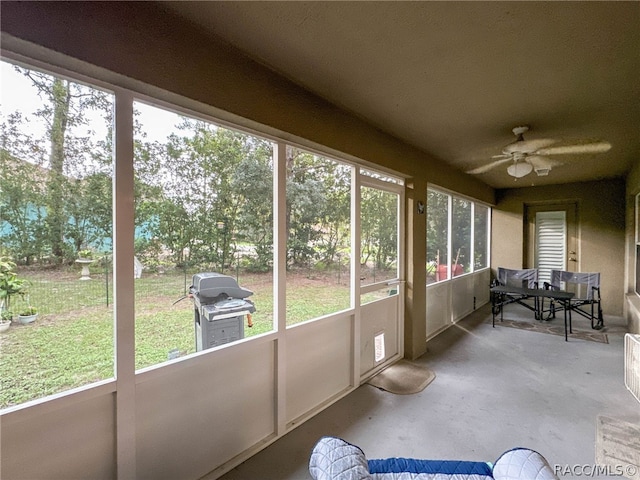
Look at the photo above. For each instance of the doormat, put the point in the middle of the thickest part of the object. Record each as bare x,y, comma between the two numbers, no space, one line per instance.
539,327
403,378
618,446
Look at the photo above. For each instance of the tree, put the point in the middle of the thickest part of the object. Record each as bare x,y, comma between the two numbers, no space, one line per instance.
461,234
21,192
65,105
89,212
198,200
437,226
21,218
253,180
318,207
379,227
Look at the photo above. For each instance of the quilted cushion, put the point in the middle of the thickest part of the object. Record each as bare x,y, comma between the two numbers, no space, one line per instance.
522,463
333,458
414,469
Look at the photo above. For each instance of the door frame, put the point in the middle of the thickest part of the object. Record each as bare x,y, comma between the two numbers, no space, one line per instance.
570,207
377,318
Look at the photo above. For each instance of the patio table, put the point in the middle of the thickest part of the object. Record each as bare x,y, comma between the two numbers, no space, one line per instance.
503,295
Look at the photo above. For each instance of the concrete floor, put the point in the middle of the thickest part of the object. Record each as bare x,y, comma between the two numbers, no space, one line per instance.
494,389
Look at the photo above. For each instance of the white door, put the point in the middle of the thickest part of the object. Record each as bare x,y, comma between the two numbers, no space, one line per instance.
552,240
381,273
551,251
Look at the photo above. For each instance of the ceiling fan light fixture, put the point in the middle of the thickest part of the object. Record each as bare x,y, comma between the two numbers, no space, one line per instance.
519,169
543,172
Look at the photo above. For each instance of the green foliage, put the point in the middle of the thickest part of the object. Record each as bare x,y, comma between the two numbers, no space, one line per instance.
253,181
437,226
461,233
88,211
10,284
56,193
28,310
40,360
20,194
379,228
318,208
197,195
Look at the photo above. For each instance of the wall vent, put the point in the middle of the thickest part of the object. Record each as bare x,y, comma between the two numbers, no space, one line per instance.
378,342
632,364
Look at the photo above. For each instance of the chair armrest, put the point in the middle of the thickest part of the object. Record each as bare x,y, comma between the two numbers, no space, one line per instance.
522,464
335,459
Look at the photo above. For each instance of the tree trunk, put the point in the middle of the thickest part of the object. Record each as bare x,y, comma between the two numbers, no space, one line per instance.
61,95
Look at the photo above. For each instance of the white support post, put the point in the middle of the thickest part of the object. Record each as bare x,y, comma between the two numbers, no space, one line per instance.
355,273
123,312
280,280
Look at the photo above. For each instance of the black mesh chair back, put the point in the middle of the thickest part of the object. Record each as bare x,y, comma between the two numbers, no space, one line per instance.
523,278
586,286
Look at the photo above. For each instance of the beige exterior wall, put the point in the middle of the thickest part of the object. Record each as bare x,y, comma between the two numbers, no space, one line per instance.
632,300
601,229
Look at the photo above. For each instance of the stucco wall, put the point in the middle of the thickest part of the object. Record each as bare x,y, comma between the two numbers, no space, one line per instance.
601,229
632,300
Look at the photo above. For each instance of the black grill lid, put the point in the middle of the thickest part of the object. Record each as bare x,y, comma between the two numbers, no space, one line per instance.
210,285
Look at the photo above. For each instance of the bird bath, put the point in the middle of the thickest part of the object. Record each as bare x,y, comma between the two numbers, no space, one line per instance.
85,262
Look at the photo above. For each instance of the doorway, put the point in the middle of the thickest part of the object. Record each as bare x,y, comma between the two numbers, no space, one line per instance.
551,238
381,272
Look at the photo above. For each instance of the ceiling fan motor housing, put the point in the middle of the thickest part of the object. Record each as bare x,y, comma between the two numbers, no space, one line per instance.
519,131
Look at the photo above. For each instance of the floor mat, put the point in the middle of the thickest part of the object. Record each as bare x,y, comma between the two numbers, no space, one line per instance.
543,327
618,446
403,378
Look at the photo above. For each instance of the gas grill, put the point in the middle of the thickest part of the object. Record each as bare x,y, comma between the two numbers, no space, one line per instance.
220,306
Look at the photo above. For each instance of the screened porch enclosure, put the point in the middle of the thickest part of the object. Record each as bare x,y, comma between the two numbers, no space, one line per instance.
203,413
319,218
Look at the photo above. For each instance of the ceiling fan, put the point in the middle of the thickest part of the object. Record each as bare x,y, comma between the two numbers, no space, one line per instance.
528,155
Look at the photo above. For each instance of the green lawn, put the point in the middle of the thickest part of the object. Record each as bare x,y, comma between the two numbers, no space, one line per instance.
71,342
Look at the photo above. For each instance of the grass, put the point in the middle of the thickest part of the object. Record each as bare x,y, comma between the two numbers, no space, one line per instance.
71,342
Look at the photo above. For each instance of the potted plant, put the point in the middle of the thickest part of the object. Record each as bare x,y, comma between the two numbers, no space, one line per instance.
10,286
28,314
5,320
85,254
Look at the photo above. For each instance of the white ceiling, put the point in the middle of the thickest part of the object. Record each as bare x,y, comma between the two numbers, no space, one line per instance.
453,78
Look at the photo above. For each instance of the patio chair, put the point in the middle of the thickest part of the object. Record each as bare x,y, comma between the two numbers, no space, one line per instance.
508,277
524,278
586,287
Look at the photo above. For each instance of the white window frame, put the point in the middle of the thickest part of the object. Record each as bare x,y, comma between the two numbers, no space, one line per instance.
126,92
450,196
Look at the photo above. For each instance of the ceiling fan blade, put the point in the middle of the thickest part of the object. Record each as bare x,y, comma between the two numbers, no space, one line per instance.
502,155
598,147
528,146
489,166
